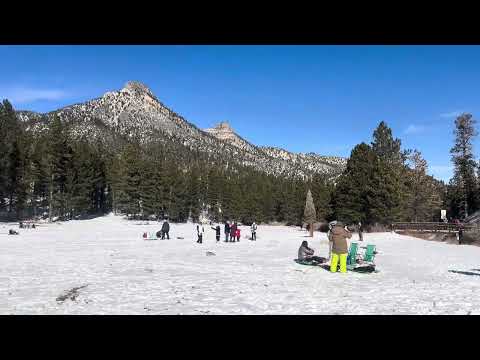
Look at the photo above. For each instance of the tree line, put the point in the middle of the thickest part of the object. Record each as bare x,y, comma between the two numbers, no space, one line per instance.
54,174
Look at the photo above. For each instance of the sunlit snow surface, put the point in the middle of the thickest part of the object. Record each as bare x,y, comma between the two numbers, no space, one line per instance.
125,274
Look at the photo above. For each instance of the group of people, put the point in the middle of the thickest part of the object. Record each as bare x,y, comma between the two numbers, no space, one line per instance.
338,247
232,232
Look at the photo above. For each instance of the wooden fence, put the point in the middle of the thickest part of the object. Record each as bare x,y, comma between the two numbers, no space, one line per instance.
432,226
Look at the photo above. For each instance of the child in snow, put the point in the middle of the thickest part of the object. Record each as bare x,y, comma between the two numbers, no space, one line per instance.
12,232
254,231
217,232
200,232
237,234
339,237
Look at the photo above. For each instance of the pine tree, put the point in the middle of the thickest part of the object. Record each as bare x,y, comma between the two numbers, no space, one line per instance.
463,159
310,214
59,164
350,199
14,162
423,194
387,193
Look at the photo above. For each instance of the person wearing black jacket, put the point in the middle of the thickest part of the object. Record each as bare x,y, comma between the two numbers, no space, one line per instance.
165,230
217,232
227,230
360,231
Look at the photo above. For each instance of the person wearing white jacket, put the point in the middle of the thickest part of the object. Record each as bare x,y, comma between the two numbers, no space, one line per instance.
253,228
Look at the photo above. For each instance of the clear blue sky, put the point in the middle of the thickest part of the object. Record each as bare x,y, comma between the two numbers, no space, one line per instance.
323,99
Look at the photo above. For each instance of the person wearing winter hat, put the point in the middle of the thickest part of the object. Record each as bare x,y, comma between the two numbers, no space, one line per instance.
339,237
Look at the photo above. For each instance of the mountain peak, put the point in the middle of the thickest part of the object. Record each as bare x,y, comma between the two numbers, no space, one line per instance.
222,130
137,88
224,125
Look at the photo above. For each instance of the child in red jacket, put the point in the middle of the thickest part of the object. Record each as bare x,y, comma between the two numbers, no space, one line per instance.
237,234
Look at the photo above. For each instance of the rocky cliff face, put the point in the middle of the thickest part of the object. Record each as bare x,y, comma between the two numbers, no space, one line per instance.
134,111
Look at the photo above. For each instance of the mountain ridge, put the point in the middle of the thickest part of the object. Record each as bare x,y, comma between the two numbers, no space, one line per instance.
135,111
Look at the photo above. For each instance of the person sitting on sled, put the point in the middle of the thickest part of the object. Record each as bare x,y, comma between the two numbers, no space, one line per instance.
305,254
339,237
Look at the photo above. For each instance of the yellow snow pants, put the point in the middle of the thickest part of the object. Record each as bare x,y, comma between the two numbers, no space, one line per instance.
343,262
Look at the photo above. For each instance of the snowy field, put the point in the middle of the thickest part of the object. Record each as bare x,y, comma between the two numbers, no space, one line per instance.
120,273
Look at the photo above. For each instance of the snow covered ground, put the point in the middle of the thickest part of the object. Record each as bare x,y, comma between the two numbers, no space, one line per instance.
124,274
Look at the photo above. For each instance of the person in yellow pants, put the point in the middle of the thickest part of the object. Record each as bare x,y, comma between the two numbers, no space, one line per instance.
339,237
343,263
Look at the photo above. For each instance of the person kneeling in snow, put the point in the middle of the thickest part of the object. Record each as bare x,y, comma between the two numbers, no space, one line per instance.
305,254
12,232
339,237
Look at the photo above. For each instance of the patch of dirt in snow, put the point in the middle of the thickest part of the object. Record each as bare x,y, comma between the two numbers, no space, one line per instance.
71,294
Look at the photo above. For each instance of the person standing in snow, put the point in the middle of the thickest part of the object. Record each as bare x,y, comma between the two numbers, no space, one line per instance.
360,231
253,228
200,232
237,234
460,233
165,230
217,232
233,232
340,247
331,224
227,230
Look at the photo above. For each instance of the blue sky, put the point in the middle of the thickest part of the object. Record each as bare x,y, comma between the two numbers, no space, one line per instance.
323,99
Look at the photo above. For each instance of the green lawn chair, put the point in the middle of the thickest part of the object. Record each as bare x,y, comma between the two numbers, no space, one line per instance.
352,256
369,254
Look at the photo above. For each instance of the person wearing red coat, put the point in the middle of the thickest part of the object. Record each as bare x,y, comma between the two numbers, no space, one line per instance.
237,234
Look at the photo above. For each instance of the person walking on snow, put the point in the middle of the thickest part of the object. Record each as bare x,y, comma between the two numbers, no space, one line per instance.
233,232
340,247
253,228
165,229
237,234
227,230
217,232
200,232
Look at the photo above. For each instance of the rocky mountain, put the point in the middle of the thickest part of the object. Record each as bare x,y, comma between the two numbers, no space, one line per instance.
135,112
